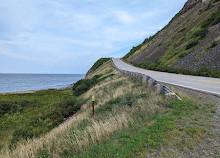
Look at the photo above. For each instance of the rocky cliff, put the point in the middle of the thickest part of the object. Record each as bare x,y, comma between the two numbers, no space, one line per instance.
191,40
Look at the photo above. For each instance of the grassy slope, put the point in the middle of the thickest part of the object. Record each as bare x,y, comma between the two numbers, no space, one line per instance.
187,36
129,121
30,115
96,65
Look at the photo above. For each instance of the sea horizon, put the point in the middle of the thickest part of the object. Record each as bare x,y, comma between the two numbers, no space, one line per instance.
17,82
41,73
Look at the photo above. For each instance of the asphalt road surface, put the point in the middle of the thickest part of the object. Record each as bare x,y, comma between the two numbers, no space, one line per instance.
204,84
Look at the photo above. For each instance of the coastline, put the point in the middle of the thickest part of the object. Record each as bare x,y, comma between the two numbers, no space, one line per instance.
33,91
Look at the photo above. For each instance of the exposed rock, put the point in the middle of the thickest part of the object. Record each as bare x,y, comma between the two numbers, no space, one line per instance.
205,1
189,4
170,43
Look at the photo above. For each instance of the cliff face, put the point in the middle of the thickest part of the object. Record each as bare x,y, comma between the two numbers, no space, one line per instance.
191,40
190,4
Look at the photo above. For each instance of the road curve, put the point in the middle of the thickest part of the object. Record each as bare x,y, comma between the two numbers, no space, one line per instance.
204,84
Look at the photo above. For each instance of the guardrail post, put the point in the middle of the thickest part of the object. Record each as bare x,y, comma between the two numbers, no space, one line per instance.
140,76
159,88
144,80
136,77
147,80
133,75
151,83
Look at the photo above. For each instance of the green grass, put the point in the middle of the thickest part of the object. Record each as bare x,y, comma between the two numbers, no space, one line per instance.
98,63
128,121
133,50
184,41
202,53
25,116
212,20
84,85
143,138
200,32
204,71
212,45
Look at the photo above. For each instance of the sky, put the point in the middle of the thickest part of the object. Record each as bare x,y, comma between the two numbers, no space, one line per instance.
68,36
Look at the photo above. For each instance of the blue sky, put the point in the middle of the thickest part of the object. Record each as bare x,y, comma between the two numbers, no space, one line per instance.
68,36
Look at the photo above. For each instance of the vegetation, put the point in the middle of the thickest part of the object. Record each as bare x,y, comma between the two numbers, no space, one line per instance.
184,38
143,138
84,85
174,53
192,44
204,71
200,32
212,45
24,116
212,20
98,64
128,121
133,50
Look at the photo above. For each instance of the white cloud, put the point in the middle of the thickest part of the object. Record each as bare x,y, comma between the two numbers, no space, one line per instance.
58,31
124,17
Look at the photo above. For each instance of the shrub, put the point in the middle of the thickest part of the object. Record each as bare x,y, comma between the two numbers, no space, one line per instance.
117,102
83,85
48,120
13,106
201,33
192,44
212,20
134,49
98,63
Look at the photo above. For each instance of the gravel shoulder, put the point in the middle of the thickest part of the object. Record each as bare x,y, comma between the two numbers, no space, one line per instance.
210,146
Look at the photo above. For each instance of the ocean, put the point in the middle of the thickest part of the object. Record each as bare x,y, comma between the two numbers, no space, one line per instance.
26,82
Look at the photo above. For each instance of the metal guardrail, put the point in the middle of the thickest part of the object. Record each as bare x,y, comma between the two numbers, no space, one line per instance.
148,82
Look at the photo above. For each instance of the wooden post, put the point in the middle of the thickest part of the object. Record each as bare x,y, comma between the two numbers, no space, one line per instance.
93,105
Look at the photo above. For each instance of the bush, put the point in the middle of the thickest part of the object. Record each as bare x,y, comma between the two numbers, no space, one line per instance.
212,20
117,102
98,64
48,120
134,49
13,106
192,44
201,33
83,85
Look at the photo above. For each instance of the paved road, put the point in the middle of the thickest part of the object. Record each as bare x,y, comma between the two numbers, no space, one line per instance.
205,84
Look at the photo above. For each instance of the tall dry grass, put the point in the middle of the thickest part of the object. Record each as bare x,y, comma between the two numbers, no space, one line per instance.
69,136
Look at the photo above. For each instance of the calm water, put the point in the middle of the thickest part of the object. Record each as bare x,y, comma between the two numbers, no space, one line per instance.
25,82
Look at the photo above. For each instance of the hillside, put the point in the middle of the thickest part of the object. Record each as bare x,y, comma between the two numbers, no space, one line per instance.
189,44
129,121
